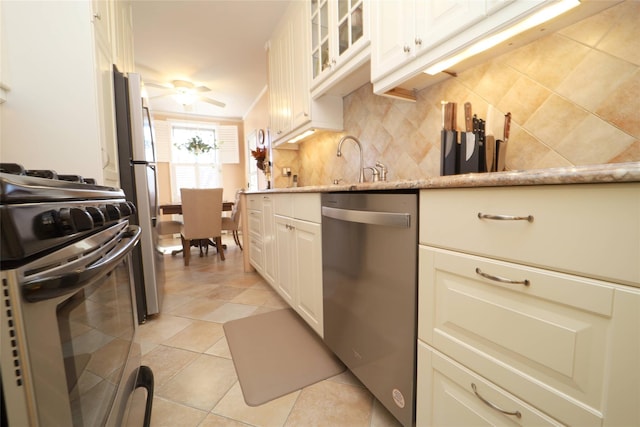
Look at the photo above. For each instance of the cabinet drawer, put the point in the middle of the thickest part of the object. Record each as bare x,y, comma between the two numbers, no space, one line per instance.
256,256
446,397
255,222
306,206
590,230
283,204
540,341
254,202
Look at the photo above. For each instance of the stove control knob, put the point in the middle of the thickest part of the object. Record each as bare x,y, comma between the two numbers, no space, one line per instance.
111,212
97,216
132,206
125,209
73,220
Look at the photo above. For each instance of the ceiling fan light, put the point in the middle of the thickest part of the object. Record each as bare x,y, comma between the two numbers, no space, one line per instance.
185,98
182,85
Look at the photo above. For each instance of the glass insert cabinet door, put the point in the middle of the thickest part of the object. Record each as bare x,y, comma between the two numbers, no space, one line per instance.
350,28
335,26
320,36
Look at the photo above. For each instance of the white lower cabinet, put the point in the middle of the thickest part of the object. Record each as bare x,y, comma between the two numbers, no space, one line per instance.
562,344
254,231
299,259
451,395
268,240
293,246
261,235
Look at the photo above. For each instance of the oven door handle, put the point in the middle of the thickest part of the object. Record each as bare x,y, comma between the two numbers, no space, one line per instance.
45,288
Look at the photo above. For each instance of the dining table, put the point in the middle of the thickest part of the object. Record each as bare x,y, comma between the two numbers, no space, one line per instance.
176,208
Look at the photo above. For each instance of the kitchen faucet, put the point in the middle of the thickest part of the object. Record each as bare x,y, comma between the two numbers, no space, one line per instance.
339,153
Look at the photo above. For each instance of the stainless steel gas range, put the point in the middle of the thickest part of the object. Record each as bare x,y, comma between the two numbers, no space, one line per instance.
69,355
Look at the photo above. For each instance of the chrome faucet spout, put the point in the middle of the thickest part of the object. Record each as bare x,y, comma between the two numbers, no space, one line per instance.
339,154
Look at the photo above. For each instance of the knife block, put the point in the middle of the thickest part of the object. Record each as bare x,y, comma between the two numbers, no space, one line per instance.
475,162
450,151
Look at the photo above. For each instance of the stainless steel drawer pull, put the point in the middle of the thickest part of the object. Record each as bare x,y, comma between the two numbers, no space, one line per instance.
502,279
505,217
493,405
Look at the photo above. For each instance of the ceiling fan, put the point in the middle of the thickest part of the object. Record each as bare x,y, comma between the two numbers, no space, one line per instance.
185,92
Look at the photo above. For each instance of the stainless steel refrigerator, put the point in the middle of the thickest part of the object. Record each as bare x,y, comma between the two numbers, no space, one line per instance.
138,179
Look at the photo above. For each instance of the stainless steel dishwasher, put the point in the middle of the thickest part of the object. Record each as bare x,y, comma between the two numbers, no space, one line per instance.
369,267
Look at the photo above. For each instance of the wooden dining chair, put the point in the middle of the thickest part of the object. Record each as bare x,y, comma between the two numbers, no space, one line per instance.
232,222
202,220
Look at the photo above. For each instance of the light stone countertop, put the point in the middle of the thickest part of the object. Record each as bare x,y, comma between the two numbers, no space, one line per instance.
605,173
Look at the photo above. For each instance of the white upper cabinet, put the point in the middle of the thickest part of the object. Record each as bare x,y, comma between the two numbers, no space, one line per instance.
409,36
280,89
340,39
292,111
408,30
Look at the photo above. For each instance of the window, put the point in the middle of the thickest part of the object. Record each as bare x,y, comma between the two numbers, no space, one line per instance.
196,169
187,170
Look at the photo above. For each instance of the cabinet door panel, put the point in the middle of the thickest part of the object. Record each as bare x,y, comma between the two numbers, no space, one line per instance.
394,24
439,20
285,284
300,78
308,252
106,117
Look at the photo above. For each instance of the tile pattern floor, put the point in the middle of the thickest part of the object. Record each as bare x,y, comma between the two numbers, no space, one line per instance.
195,380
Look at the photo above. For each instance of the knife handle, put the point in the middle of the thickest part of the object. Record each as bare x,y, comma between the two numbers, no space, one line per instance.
447,116
454,111
468,120
507,126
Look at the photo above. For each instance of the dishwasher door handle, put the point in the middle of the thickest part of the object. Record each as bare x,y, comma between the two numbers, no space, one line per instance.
389,219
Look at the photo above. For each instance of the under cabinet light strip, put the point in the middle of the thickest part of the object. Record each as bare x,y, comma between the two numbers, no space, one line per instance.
538,18
301,136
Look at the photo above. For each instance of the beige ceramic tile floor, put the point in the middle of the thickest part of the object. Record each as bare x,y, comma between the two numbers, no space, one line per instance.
195,380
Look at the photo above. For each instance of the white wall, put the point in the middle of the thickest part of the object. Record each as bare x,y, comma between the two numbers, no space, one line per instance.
49,120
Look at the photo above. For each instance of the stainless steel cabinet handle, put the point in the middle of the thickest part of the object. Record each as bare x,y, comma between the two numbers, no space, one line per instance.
502,279
418,41
505,217
406,49
389,219
493,405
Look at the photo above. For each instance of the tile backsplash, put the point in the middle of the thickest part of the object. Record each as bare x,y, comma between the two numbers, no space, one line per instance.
574,97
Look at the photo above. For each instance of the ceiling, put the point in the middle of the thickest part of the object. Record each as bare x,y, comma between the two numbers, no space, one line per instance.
216,43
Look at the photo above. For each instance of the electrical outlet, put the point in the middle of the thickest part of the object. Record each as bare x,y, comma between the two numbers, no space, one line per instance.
286,171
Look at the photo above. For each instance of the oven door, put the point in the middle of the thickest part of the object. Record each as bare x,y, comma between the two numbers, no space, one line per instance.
72,323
